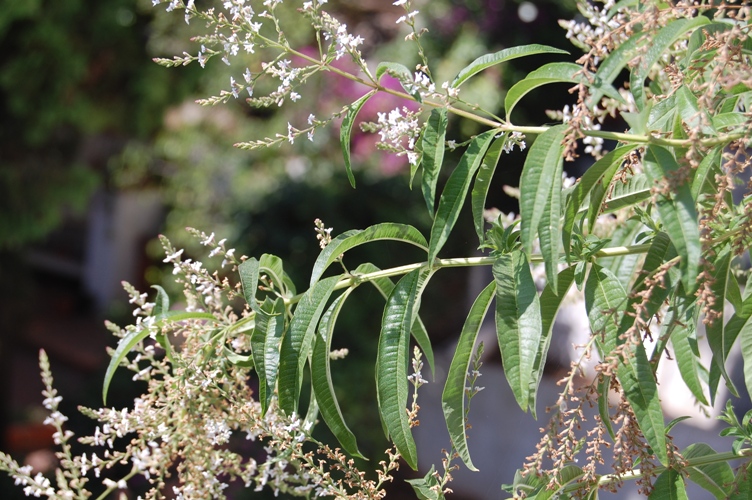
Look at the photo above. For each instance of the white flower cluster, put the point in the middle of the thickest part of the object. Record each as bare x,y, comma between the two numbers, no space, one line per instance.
598,23
514,139
395,127
287,75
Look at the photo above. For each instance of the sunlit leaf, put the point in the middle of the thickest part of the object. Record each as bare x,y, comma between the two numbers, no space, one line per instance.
518,323
350,239
345,132
321,378
715,478
453,397
483,183
432,142
488,60
669,486
296,344
455,192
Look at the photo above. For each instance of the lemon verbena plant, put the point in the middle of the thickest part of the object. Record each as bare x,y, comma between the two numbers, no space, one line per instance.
654,237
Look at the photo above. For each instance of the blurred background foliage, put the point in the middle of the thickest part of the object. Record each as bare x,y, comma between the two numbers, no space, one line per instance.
84,110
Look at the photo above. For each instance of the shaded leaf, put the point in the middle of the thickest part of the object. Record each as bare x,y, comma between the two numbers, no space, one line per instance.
488,60
249,277
518,323
715,477
455,191
265,344
680,327
453,397
669,486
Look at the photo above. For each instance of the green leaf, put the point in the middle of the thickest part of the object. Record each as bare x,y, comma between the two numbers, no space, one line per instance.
272,266
604,387
610,68
729,120
432,144
549,229
425,487
453,397
249,277
353,238
418,331
518,323
704,179
488,60
634,191
669,486
680,326
265,343
543,163
603,171
392,360
746,344
678,214
401,73
604,297
657,47
321,378
550,302
296,344
716,331
483,183
560,72
127,343
715,477
161,303
345,132
623,266
455,191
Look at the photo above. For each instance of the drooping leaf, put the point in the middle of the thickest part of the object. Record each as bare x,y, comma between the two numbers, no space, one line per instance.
677,212
483,183
604,387
425,487
550,302
746,344
350,239
680,327
249,277
623,266
127,343
716,329
542,164
703,182
455,192
345,132
392,359
273,267
488,60
613,64
603,169
715,478
453,397
549,229
162,307
635,190
432,144
321,378
418,331
657,46
560,72
401,73
605,300
518,323
669,486
265,343
296,344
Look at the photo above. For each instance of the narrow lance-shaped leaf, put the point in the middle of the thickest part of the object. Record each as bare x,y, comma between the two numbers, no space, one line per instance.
669,486
432,142
704,178
716,329
350,239
605,300
550,302
657,46
418,331
677,212
680,326
603,169
249,278
717,478
483,183
488,60
542,164
345,132
453,397
273,267
265,342
161,308
127,343
296,344
455,191
401,73
392,360
518,322
549,229
321,378
560,72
